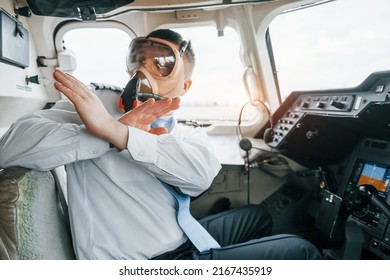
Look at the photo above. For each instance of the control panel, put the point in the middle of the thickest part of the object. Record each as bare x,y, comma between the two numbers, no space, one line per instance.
346,103
325,103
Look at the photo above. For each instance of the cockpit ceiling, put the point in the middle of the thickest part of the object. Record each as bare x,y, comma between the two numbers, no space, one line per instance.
92,9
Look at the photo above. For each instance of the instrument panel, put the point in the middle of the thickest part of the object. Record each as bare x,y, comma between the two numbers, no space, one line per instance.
370,164
322,127
348,128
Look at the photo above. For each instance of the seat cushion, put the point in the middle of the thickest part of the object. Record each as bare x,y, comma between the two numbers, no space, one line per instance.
32,221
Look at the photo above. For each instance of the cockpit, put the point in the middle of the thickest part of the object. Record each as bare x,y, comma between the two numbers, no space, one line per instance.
296,106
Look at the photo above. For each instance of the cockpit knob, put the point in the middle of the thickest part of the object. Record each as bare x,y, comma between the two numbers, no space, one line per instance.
337,105
321,105
305,105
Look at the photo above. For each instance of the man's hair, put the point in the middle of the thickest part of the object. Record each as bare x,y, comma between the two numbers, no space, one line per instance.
176,38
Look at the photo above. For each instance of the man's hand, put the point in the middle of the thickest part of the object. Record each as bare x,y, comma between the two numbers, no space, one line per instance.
99,122
142,116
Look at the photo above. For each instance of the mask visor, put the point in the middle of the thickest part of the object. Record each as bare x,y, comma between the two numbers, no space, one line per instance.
156,56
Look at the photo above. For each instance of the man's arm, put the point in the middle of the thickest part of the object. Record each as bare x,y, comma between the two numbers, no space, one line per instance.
99,122
183,158
50,138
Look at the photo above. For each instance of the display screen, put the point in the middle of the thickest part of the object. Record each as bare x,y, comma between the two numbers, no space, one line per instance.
372,173
375,174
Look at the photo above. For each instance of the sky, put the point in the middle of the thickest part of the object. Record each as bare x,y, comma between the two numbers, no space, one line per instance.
344,42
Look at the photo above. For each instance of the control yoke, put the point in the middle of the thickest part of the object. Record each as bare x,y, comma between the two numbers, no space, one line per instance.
360,197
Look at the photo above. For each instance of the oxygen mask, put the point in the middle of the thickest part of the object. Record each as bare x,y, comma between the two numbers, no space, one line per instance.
158,63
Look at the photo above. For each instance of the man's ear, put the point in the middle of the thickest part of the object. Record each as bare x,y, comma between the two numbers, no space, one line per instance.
187,85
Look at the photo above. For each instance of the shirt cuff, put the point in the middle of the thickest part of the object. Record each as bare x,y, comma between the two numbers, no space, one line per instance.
142,145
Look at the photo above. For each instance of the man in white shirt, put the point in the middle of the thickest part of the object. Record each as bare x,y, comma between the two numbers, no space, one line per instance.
115,161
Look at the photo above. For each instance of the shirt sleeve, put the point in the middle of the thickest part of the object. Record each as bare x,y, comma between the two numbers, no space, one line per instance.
49,138
183,158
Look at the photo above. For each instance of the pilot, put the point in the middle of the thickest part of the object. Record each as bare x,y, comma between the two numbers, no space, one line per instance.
117,161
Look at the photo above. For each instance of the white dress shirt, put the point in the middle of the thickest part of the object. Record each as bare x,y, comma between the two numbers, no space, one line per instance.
118,208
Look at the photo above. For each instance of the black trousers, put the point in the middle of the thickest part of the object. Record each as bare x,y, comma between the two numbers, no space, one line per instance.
243,234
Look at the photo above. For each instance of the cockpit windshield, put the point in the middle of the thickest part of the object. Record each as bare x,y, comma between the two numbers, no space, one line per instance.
333,45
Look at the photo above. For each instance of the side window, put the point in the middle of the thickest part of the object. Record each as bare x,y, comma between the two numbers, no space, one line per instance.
100,54
217,93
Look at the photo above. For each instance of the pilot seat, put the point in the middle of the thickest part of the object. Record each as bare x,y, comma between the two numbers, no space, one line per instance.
34,221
